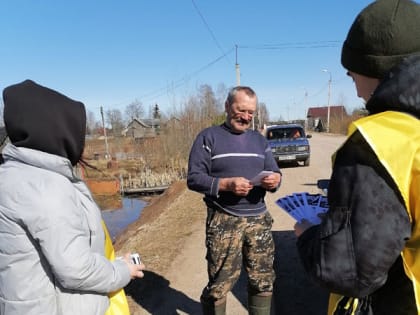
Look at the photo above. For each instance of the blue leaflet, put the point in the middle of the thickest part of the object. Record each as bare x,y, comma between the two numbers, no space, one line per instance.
304,206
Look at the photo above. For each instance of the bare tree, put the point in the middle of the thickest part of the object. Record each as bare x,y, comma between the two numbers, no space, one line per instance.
90,122
134,110
208,103
221,95
200,110
114,119
262,114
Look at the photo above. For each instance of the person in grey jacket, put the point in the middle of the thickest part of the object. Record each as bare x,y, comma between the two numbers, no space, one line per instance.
52,240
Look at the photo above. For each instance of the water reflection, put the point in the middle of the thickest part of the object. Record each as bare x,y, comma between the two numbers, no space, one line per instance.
118,219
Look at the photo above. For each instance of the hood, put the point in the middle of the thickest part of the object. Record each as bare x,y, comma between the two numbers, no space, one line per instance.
39,118
399,90
3,138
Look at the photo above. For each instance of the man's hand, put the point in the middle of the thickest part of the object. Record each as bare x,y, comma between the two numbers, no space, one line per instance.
238,185
271,181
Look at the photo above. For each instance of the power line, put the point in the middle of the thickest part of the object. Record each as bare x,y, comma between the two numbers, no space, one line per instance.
298,45
180,82
184,80
208,27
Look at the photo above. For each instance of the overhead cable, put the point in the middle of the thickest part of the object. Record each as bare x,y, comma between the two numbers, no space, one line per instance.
278,46
208,27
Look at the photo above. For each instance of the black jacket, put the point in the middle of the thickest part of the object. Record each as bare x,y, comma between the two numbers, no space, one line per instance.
356,249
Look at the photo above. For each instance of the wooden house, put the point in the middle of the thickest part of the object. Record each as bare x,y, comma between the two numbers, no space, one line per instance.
142,128
317,117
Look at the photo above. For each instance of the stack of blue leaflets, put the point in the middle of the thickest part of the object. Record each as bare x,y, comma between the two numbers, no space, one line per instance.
304,206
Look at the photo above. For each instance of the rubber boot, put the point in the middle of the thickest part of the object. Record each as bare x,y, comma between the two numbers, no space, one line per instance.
213,308
259,304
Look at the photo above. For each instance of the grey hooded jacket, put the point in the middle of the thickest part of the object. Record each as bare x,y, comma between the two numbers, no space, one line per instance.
52,243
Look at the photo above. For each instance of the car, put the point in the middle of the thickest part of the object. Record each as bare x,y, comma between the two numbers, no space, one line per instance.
289,143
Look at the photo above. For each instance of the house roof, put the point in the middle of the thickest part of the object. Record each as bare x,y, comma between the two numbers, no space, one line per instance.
147,123
323,111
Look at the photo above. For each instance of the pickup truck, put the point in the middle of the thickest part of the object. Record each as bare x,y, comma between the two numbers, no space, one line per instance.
289,143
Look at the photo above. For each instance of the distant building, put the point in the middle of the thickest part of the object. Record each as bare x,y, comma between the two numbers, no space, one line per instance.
173,123
142,128
317,117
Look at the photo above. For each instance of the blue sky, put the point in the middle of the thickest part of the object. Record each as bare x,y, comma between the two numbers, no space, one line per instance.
110,53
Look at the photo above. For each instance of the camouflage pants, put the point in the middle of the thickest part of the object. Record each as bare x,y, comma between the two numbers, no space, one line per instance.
232,241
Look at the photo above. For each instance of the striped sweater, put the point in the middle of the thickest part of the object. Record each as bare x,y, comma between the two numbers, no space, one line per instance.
217,152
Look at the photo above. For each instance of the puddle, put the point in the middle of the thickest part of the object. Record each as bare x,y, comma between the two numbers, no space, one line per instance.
118,219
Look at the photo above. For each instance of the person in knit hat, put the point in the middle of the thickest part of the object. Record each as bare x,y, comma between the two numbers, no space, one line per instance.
367,248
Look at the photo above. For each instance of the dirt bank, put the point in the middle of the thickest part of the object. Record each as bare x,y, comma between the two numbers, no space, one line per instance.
162,227
159,236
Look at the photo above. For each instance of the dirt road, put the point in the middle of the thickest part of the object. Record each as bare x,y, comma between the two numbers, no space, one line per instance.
177,289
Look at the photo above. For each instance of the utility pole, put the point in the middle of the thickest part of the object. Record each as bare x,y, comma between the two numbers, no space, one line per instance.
328,101
238,71
106,139
238,79
305,101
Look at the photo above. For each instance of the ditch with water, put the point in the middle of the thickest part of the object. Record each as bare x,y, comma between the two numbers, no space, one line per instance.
118,215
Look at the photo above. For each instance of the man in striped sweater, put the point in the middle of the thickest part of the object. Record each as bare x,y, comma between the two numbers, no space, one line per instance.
222,162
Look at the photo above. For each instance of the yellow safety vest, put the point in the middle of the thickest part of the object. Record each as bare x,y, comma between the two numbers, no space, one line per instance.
118,304
395,139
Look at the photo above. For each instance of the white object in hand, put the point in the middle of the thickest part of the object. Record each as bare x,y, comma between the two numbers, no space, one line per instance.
257,179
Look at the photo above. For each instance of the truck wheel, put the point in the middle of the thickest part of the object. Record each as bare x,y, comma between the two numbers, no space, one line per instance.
306,162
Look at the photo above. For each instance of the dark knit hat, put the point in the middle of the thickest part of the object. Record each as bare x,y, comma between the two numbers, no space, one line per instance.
383,33
39,118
